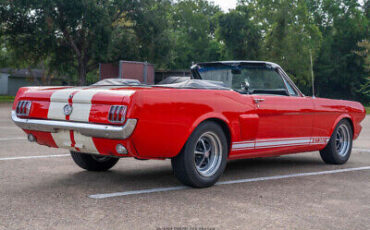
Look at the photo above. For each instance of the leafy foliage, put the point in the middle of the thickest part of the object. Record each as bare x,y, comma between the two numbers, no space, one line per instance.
240,33
72,37
69,34
193,30
291,36
339,70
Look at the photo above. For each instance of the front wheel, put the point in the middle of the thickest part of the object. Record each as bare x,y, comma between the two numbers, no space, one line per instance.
339,147
203,158
93,162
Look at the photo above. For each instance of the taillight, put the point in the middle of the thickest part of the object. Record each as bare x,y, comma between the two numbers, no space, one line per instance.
117,113
23,108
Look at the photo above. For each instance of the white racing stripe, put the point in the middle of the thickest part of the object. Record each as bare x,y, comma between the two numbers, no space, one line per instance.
57,102
81,101
33,157
81,104
62,139
85,144
153,190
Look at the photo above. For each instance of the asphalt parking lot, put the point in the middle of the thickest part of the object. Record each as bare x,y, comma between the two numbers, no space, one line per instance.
42,188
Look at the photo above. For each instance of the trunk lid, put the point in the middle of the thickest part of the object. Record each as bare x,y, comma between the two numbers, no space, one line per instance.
89,104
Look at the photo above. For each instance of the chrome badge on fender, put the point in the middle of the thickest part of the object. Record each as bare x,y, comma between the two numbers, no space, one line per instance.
67,110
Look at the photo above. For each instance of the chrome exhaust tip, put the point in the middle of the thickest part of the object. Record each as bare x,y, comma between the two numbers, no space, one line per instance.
31,138
121,149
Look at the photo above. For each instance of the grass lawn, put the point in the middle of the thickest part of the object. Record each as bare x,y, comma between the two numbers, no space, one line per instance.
367,109
6,98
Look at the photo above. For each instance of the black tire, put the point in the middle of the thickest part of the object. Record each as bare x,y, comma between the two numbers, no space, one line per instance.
185,166
330,154
93,162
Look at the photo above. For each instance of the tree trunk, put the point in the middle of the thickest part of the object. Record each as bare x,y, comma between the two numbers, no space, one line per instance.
35,80
82,72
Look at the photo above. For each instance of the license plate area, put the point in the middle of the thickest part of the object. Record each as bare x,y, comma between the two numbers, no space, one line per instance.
75,141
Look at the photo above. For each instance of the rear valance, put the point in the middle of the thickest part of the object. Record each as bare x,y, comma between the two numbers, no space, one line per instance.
87,129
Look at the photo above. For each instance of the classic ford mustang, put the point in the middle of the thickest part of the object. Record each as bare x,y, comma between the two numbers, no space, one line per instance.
226,110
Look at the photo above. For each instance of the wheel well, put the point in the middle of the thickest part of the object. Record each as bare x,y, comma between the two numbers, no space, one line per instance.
351,123
224,127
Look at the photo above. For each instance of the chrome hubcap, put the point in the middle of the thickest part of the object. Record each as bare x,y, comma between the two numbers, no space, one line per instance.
208,154
342,140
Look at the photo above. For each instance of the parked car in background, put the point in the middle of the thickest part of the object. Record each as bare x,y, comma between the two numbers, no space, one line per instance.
227,110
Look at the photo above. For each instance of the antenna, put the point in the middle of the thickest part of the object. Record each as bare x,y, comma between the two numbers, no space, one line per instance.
312,76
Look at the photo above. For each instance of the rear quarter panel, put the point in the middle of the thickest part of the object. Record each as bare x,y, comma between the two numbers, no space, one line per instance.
166,118
329,112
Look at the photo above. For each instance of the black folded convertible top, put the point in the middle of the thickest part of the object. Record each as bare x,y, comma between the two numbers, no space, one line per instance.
197,84
118,81
172,82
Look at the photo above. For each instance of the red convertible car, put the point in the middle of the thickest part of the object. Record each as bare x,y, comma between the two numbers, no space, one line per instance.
226,110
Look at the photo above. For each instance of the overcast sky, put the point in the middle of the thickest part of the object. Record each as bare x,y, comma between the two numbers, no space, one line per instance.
225,4
229,4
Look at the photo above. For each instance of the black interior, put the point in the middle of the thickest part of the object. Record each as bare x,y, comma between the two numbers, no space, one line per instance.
270,91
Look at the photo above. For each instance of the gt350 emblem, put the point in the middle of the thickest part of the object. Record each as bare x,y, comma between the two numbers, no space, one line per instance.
319,140
67,110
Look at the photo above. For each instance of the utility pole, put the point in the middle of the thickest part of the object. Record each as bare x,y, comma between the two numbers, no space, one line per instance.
312,76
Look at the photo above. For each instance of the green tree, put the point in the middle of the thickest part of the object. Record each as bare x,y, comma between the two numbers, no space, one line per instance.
5,60
240,33
339,71
14,58
68,33
363,52
193,33
145,36
290,35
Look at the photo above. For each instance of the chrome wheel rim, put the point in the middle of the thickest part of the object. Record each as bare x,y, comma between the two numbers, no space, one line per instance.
342,140
208,154
100,158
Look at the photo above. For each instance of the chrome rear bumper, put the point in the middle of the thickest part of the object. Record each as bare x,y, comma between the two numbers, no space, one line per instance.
87,129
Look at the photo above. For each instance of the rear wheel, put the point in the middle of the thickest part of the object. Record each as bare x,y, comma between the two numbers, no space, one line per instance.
339,147
93,162
203,158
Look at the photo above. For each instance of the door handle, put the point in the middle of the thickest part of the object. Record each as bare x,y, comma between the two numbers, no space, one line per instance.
258,100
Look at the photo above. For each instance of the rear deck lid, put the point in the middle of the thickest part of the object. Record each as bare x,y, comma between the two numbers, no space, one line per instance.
84,101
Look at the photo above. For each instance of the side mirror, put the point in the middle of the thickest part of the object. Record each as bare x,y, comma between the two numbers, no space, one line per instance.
236,71
245,85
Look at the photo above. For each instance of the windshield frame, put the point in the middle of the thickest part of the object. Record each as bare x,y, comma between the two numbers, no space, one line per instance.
286,79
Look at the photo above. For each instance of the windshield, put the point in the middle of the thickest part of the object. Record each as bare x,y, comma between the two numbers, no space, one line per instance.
247,78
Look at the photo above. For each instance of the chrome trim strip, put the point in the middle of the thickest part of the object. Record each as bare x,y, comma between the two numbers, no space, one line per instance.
243,146
87,129
282,142
279,142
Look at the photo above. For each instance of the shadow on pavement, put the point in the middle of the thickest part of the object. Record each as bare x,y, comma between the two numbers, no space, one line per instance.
162,176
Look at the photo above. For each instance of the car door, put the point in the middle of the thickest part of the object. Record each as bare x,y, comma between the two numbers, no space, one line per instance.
285,121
